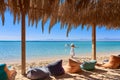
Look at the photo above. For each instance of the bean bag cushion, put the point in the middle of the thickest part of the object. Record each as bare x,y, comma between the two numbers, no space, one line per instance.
38,73
88,65
72,66
105,61
56,68
113,63
3,75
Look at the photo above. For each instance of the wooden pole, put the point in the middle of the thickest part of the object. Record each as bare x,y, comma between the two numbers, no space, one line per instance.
23,45
23,38
94,42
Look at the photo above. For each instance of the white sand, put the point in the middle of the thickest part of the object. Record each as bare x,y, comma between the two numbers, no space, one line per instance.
98,74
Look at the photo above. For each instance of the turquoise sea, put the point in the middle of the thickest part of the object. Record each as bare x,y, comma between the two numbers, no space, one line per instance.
11,50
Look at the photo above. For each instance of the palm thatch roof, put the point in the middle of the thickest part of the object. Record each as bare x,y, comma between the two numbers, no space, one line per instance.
90,12
69,12
43,10
2,10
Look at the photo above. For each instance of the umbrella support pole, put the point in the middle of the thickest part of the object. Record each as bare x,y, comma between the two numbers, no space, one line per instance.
94,42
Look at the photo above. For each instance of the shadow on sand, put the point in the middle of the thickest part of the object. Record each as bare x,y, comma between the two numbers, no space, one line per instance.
86,75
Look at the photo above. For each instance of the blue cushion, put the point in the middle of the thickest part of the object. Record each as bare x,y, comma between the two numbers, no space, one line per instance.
3,75
56,68
88,65
38,73
2,66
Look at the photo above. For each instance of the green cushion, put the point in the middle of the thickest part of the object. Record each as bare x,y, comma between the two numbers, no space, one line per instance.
88,65
2,66
3,75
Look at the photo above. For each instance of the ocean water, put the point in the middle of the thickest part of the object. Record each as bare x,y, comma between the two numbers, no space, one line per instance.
11,50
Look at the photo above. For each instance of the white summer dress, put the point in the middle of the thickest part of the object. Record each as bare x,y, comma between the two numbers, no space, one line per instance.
72,53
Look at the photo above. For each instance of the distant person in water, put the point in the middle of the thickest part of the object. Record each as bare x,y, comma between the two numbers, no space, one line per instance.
72,52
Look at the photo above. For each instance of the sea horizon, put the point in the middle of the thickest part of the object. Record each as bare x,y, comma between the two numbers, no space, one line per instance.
67,40
11,50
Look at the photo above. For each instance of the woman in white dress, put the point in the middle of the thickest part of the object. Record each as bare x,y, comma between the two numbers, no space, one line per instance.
72,52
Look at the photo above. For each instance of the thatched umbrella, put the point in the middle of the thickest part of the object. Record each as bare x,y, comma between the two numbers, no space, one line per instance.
90,13
19,10
35,10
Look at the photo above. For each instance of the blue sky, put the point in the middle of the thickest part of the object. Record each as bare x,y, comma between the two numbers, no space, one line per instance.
13,32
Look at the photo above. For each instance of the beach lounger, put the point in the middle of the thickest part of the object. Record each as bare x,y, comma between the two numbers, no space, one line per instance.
106,60
72,66
37,73
88,65
6,74
43,73
3,74
113,62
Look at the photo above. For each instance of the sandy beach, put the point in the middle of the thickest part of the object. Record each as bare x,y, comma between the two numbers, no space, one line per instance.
99,73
